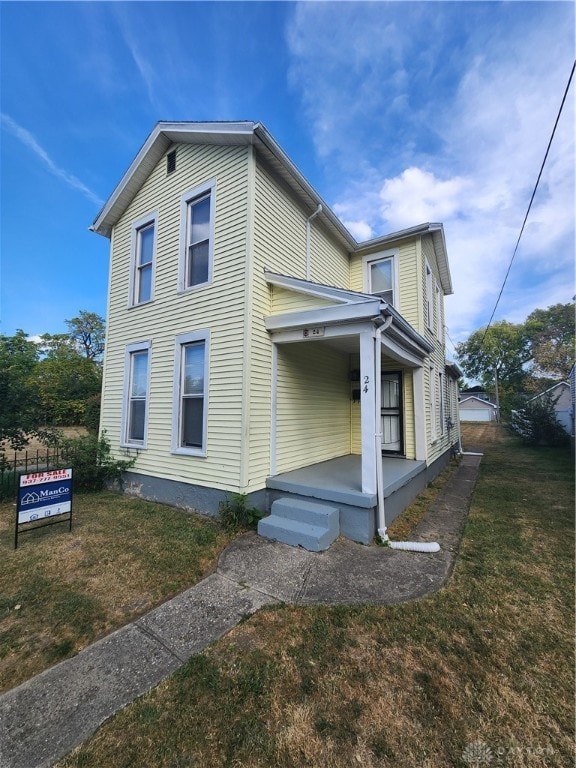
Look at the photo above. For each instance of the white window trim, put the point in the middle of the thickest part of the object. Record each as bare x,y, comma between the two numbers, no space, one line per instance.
370,259
439,323
141,346
188,197
429,297
433,404
142,223
442,403
181,341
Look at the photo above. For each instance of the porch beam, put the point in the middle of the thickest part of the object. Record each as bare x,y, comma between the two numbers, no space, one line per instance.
368,412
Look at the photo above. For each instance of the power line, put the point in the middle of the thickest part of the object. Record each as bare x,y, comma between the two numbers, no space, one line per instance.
531,201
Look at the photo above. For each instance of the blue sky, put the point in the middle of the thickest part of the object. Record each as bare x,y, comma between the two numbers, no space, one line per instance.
397,113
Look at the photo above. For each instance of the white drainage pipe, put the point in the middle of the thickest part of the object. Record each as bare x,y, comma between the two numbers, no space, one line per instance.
410,546
415,546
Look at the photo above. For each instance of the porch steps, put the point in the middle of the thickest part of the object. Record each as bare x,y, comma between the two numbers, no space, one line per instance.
301,524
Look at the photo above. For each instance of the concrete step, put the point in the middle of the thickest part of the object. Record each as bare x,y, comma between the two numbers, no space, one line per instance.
309,512
297,533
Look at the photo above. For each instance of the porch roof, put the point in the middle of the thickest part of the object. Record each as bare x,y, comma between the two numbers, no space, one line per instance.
351,314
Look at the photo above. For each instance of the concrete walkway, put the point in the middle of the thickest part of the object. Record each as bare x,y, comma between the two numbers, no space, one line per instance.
51,714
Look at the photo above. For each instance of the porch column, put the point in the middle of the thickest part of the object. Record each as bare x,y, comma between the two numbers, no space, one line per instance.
368,412
419,413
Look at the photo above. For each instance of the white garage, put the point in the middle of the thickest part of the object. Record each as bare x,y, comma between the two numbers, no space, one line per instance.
474,409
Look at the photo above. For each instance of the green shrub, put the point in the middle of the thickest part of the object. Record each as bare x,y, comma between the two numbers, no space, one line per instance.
92,462
235,513
536,423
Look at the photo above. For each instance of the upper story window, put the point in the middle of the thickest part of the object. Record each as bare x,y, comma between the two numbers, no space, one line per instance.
380,276
429,297
197,236
143,253
136,386
439,323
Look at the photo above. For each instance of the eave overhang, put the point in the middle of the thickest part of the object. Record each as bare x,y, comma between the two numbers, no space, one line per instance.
353,309
166,134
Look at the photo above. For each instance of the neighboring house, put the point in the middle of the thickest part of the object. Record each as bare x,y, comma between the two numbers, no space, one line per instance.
562,401
253,346
474,408
476,391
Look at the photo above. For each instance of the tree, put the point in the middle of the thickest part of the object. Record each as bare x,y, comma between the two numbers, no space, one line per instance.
65,381
552,338
497,358
537,424
18,405
88,330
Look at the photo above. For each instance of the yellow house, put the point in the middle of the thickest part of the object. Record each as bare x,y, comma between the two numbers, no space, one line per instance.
254,347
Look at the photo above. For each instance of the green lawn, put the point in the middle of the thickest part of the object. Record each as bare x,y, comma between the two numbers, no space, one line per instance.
483,669
61,590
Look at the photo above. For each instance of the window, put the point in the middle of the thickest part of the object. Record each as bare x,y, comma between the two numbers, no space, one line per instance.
191,380
143,250
429,297
439,324
197,235
380,275
135,415
441,392
433,404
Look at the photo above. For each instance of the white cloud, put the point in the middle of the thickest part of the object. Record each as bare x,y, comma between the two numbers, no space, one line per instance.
447,118
417,196
24,136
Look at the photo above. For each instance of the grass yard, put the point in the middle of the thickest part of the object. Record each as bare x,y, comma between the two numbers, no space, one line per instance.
60,591
479,674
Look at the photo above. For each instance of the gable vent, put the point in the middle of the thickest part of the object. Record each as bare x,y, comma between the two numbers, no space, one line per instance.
171,162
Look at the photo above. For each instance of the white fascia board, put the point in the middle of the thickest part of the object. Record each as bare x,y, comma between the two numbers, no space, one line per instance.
316,289
479,400
324,316
272,150
152,151
550,389
435,229
400,353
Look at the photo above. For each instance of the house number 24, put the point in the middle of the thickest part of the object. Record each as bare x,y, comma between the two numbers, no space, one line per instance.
366,383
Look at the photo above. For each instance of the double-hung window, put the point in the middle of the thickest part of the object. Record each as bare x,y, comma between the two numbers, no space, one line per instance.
380,275
143,253
136,394
429,297
190,393
197,236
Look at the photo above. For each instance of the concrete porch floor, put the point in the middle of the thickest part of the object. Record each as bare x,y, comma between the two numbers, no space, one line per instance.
340,480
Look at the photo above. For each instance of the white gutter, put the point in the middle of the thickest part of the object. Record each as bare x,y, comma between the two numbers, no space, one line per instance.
414,546
309,240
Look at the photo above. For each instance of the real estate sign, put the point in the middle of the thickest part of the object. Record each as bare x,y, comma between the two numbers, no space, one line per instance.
43,495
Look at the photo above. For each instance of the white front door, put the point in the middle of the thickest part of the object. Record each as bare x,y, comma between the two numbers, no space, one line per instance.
391,414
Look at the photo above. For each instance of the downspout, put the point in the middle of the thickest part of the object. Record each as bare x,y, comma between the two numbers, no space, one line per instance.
309,241
413,546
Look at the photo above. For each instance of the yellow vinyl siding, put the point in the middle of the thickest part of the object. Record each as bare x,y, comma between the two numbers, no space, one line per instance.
313,405
279,245
213,307
292,301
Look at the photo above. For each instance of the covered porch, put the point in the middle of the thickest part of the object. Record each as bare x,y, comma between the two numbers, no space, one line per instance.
328,412
338,482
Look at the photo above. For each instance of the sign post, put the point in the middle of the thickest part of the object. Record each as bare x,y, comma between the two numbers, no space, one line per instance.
43,495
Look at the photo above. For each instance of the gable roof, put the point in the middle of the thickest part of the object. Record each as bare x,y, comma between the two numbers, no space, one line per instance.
246,133
550,389
478,400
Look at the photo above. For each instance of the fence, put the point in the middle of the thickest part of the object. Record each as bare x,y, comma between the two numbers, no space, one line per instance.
20,462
